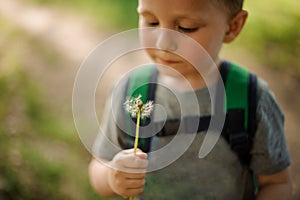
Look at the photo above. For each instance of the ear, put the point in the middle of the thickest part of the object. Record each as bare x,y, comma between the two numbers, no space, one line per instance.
235,26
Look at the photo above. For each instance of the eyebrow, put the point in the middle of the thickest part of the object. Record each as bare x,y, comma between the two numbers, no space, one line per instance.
143,11
146,12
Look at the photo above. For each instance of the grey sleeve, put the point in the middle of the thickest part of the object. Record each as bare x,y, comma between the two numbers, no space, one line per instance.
106,144
269,152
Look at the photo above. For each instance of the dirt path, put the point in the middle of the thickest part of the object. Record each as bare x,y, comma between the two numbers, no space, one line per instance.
74,37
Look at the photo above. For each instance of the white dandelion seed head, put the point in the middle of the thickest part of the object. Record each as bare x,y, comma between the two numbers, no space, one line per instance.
133,105
147,109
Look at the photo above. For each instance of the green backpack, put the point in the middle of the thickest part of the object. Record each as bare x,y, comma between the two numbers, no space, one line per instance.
240,109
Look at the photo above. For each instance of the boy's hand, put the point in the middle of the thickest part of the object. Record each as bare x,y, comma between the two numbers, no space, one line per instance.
127,175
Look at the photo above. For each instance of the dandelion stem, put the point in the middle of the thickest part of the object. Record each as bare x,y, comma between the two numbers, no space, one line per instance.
137,130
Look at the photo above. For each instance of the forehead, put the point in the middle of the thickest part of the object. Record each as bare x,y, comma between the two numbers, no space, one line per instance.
190,8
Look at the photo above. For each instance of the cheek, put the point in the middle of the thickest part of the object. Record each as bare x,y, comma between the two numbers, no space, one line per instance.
151,53
215,42
213,48
211,45
147,38
147,41
192,51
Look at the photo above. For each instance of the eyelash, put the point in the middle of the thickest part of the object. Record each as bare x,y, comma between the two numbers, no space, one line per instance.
152,24
183,29
188,30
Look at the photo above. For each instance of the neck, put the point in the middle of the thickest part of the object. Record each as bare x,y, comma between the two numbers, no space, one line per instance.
191,82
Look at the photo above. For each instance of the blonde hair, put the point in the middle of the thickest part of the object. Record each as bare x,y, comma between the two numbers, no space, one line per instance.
232,7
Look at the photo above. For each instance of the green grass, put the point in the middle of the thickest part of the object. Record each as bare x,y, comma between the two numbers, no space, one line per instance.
24,172
41,155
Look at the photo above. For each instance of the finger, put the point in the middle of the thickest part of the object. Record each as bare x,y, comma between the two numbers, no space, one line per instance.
133,192
139,150
135,183
135,162
130,151
123,175
142,155
131,175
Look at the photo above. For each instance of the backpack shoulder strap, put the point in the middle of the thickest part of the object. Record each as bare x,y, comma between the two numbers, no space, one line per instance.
142,81
240,107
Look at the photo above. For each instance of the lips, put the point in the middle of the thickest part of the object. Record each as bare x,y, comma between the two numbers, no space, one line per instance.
167,61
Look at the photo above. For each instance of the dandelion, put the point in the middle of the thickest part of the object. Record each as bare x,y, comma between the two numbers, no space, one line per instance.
138,109
133,105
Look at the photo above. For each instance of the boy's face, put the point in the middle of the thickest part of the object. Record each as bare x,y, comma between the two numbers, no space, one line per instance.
198,19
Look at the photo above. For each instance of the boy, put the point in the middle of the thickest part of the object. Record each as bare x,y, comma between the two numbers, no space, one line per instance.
220,175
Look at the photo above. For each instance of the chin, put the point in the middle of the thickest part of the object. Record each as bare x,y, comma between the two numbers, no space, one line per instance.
173,72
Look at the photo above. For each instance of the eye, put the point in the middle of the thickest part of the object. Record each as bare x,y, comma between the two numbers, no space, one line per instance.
152,24
187,30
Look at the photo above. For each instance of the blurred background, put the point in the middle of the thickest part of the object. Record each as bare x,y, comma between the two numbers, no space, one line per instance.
42,44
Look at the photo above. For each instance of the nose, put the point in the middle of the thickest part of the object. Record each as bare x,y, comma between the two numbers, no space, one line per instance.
165,40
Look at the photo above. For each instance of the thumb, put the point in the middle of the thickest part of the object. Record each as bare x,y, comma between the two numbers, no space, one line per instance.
141,154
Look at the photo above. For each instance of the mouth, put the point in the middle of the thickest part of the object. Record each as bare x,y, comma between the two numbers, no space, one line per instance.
167,61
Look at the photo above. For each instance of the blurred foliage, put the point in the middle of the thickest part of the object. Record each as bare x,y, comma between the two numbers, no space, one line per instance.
271,32
110,13
41,157
25,173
